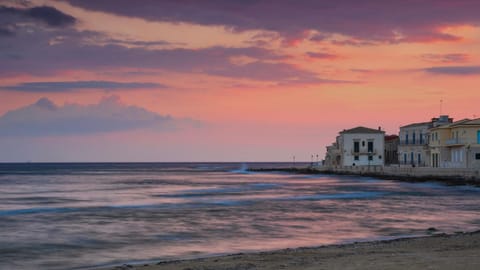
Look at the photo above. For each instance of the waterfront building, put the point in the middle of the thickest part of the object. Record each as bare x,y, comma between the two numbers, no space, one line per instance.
361,146
391,149
333,156
456,145
413,148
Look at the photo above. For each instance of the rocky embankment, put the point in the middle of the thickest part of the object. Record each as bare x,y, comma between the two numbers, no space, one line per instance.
453,180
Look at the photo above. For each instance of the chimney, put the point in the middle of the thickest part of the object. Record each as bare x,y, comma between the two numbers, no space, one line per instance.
379,128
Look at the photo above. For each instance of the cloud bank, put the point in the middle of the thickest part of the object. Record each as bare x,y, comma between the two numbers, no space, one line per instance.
71,52
76,85
45,118
454,70
380,21
44,14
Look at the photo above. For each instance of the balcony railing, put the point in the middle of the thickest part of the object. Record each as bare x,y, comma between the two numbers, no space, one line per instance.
415,163
417,142
455,141
364,152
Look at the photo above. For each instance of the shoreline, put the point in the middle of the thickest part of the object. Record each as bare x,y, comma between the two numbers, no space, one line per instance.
436,251
451,180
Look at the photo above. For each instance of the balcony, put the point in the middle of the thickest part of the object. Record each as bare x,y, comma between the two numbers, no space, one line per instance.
364,152
455,141
417,142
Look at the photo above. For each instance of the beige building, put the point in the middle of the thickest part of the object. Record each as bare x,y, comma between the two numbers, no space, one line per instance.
413,147
456,145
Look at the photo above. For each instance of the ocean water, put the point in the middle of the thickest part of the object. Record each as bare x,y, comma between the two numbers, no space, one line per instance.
75,216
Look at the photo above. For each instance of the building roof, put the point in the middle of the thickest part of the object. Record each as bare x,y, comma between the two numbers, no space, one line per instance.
417,124
361,130
436,121
466,122
475,121
391,137
463,122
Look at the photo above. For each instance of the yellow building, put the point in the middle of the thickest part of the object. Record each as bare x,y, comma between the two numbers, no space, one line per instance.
456,145
413,147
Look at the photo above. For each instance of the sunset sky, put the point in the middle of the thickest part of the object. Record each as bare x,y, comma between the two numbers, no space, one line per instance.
213,80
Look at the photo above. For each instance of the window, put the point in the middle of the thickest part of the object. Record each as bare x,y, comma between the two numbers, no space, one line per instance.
421,138
363,143
406,138
477,156
370,147
478,136
356,147
370,157
355,158
419,158
413,138
405,158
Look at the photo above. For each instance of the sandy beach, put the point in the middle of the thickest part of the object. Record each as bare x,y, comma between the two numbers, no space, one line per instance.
459,251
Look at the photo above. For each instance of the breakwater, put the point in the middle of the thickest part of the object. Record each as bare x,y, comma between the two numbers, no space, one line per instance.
449,176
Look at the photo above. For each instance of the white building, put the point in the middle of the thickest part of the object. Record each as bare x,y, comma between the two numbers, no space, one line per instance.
362,146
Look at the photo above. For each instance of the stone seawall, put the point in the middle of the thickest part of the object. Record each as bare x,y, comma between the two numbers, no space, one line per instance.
402,173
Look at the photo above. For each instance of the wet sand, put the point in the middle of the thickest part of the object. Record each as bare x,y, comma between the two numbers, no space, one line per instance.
459,251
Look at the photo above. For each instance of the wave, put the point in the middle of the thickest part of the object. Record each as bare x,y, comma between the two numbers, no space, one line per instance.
336,196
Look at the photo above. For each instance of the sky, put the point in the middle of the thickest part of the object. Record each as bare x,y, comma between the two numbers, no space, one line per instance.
213,80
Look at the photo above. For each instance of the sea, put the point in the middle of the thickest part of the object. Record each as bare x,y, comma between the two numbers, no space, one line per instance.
89,215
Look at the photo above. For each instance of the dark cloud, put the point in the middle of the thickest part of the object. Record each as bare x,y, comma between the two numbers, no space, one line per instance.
45,118
319,37
75,85
63,49
48,15
318,55
137,43
454,70
71,52
373,20
352,42
445,58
